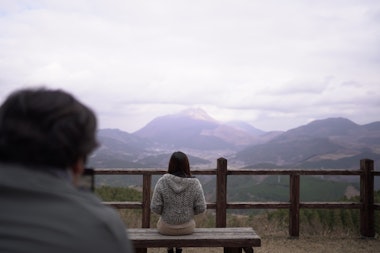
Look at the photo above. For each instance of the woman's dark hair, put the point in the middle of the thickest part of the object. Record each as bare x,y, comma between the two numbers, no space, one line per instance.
45,127
179,164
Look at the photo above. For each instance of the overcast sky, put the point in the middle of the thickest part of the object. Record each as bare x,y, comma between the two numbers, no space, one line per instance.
274,64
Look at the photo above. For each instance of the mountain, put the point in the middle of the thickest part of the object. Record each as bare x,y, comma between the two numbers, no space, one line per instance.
122,141
195,129
191,130
324,128
152,145
324,143
243,126
118,149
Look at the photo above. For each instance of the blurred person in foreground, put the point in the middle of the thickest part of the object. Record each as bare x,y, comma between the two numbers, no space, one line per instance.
177,197
45,138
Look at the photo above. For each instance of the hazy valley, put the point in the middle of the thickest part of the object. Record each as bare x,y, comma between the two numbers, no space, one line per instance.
336,143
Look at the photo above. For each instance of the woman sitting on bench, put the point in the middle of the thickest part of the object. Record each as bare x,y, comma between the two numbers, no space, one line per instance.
177,197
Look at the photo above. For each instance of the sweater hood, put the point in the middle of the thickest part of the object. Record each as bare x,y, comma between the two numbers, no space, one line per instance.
178,184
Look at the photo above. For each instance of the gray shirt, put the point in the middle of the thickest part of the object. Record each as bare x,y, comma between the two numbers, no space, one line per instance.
42,212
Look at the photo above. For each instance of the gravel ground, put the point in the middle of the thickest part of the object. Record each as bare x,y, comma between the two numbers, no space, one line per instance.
315,244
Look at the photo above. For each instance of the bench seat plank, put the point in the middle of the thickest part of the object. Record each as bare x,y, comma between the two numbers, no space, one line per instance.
240,237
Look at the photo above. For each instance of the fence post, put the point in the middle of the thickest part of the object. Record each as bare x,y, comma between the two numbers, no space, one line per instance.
367,210
147,182
294,210
221,193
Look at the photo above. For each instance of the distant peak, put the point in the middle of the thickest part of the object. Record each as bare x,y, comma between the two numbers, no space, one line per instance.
338,121
197,113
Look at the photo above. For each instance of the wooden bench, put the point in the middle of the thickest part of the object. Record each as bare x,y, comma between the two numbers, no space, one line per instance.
232,239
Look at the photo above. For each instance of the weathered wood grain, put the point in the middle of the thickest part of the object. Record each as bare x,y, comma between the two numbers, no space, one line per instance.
239,237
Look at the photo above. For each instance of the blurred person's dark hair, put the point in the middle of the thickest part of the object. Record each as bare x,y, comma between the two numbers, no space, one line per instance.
45,127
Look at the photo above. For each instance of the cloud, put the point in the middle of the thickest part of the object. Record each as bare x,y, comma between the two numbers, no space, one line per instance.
273,64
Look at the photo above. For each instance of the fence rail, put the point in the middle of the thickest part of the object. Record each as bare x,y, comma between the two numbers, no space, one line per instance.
366,204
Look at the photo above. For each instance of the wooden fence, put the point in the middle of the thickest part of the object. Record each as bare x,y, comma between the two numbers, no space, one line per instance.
366,204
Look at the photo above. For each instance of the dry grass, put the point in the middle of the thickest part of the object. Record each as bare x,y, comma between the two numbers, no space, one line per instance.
319,244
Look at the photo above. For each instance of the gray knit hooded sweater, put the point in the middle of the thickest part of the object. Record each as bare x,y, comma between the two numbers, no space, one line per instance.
178,199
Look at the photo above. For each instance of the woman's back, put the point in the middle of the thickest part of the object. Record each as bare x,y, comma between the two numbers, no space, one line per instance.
178,199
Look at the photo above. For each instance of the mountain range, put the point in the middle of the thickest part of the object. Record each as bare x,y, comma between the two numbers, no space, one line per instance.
327,143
